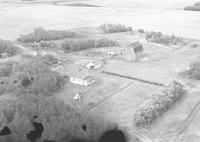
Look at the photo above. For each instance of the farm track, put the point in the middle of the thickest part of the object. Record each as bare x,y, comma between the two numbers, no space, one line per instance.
134,78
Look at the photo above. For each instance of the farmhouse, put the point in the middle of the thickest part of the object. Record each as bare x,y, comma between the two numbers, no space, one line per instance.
81,76
132,51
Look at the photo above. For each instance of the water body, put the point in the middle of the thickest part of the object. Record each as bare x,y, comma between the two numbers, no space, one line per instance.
165,16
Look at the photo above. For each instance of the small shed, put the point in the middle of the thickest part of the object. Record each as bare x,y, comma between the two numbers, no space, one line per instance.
94,65
90,65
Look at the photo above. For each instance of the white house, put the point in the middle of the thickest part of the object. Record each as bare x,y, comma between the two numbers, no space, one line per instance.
81,76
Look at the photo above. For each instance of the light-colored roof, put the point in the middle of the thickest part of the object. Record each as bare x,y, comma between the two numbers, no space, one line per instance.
78,72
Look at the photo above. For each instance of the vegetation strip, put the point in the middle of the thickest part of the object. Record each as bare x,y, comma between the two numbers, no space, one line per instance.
134,78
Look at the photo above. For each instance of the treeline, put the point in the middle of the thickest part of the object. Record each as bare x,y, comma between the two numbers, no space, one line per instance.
158,37
157,103
7,48
114,28
40,34
82,44
30,77
195,7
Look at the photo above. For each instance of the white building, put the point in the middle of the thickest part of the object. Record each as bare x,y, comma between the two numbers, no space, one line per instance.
81,76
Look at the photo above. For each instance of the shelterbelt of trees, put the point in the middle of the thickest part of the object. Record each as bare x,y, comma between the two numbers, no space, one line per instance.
41,34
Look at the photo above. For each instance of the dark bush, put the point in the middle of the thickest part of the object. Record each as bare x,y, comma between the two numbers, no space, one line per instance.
157,103
6,68
114,28
48,59
158,37
194,70
140,30
7,48
113,136
40,34
82,44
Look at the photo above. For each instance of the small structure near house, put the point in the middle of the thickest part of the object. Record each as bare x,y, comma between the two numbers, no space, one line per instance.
90,65
110,53
78,96
94,65
59,62
132,51
81,76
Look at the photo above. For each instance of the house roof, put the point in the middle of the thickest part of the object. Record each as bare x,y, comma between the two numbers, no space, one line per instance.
78,72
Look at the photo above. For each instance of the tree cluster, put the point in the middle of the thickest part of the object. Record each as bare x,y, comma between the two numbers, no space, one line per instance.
114,28
158,37
40,34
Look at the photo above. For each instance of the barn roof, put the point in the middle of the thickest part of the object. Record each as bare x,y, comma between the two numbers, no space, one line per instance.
137,46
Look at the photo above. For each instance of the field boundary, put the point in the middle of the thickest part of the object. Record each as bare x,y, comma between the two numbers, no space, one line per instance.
133,78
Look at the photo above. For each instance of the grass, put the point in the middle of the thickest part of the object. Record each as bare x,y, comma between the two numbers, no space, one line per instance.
82,44
114,28
40,34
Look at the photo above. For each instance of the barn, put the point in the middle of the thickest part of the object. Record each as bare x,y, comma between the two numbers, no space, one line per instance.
132,51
